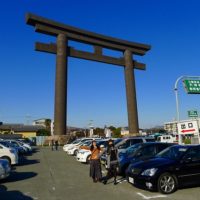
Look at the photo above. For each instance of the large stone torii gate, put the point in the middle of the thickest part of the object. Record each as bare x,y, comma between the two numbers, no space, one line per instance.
64,33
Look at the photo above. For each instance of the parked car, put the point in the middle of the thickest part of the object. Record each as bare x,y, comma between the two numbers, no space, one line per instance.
5,168
18,144
75,148
129,141
26,145
167,138
172,168
70,149
66,147
26,141
9,154
124,143
18,148
137,152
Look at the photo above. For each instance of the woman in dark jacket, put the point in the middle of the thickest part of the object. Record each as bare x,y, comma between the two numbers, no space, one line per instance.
95,165
112,162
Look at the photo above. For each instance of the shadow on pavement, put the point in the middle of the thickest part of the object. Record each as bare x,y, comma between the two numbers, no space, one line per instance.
25,161
12,195
194,185
19,176
35,150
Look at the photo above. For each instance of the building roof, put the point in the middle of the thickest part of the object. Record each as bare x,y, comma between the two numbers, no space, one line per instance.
21,127
41,119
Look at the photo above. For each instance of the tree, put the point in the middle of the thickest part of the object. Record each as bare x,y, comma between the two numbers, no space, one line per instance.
48,124
117,132
99,131
43,132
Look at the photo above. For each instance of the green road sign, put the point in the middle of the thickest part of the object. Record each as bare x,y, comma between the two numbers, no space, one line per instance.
192,86
192,113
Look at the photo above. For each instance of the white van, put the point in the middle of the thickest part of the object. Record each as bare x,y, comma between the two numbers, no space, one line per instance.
167,138
9,154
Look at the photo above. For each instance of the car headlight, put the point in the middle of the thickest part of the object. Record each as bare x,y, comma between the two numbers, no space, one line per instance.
149,172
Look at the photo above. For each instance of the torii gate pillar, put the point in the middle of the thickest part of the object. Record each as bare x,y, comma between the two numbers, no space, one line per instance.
131,93
61,86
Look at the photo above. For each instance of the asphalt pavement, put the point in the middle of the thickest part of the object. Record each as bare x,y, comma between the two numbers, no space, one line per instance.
53,175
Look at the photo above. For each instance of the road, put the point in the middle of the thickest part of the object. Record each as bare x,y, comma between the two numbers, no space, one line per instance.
53,175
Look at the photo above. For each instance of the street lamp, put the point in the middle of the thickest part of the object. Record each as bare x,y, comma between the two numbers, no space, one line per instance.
177,101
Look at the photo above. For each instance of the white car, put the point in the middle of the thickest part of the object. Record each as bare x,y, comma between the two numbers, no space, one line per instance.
74,150
77,142
83,155
68,146
9,154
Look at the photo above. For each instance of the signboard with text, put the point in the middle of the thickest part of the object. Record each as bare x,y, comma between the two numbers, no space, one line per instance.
193,113
188,127
192,86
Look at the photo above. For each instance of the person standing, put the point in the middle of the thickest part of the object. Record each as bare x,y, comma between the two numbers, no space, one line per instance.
52,145
112,162
56,145
95,165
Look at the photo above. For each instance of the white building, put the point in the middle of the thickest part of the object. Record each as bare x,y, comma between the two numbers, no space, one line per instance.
171,127
124,131
107,132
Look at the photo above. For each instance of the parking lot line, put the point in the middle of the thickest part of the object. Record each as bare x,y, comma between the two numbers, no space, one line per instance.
151,197
121,180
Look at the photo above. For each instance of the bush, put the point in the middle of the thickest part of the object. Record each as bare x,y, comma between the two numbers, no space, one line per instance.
187,141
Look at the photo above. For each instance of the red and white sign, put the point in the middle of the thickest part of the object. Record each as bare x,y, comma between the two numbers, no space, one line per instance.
188,127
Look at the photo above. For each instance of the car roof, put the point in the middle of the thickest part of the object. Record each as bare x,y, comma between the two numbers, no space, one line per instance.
157,143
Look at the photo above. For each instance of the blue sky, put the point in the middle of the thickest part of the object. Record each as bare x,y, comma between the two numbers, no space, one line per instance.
96,91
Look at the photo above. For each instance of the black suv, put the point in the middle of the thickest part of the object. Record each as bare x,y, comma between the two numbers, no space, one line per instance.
173,167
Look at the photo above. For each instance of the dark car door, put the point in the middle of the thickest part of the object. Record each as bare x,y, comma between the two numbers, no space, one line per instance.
189,171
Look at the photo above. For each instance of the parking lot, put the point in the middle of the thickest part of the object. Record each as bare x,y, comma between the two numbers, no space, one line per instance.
53,175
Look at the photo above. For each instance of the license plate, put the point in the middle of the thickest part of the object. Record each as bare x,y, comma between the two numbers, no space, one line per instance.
131,180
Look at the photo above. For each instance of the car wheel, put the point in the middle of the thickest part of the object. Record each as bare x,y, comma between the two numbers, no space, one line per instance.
75,152
167,183
7,158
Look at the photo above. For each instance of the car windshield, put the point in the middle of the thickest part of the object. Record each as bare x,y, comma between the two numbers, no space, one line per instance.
76,141
4,143
85,143
132,149
173,152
